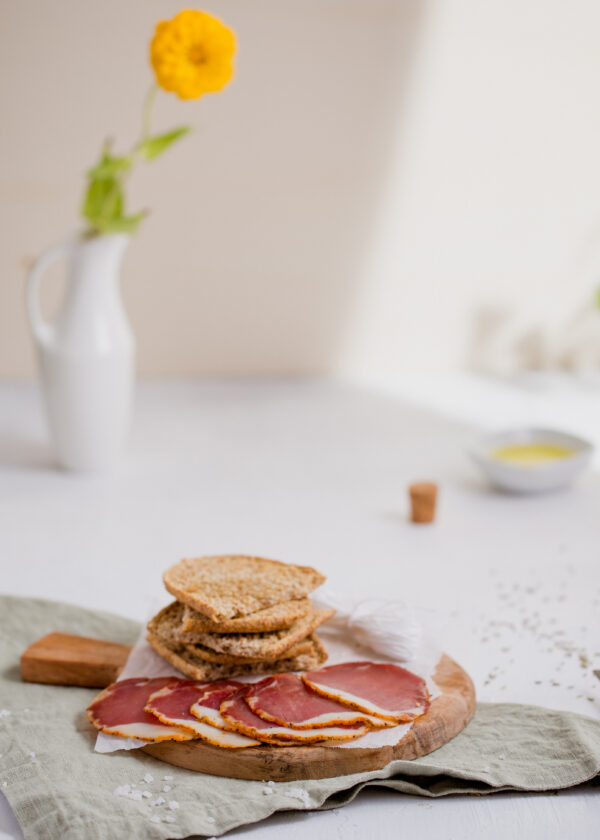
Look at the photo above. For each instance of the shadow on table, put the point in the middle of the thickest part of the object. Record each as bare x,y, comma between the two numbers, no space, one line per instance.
480,486
12,674
25,453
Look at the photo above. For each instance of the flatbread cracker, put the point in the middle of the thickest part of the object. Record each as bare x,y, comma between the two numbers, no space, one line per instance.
251,646
229,586
277,617
166,625
199,669
304,646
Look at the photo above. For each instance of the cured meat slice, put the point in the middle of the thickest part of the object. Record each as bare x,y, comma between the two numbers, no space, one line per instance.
224,738
285,699
240,717
120,710
171,704
384,690
206,707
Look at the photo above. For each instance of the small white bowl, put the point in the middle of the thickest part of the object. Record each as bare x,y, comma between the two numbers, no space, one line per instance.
532,478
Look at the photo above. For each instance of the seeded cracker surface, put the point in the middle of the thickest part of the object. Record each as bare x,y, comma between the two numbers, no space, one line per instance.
229,586
302,647
272,645
165,627
277,617
198,669
265,645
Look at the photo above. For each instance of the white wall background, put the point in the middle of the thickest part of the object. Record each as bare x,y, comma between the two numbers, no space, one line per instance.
389,185
487,248
250,259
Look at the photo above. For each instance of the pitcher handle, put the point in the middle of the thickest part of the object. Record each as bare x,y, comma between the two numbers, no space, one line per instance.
39,326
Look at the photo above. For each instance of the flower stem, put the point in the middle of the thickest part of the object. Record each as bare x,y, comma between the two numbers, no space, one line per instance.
147,112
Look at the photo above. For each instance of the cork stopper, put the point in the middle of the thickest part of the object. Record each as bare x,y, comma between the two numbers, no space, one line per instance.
423,496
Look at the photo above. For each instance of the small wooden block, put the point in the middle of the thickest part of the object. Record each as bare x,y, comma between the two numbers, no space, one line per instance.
62,659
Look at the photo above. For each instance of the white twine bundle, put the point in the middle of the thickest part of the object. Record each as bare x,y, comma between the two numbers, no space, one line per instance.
389,628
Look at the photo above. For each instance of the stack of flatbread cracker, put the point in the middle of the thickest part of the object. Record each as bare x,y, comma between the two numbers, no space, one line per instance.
238,615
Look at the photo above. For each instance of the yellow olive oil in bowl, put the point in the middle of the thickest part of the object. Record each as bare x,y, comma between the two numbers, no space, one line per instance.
530,454
532,460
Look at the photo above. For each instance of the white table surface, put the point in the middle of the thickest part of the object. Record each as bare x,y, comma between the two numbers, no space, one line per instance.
314,472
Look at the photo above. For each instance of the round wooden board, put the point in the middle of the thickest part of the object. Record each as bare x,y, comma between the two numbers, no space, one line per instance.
447,715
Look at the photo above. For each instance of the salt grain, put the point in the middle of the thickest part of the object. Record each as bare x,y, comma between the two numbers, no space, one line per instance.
129,793
267,791
160,800
4,713
148,778
166,788
170,818
155,819
32,754
167,778
210,820
173,805
147,794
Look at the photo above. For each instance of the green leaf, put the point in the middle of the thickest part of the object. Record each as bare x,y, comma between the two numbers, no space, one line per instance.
110,167
155,146
126,224
103,201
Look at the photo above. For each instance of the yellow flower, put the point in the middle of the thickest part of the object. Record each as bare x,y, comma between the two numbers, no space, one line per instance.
192,54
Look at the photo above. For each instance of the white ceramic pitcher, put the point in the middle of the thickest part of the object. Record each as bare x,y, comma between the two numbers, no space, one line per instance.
87,355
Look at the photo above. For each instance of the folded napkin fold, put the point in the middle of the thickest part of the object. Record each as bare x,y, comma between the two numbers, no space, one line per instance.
59,787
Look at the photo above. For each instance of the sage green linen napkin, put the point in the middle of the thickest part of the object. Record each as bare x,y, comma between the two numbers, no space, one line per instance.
59,787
